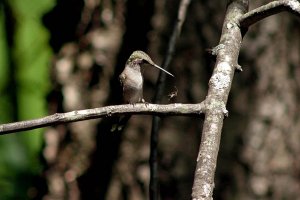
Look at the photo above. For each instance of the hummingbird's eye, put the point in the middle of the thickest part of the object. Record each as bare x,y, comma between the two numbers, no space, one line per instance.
143,61
139,61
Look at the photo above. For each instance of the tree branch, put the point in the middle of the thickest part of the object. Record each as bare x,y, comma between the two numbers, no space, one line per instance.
153,186
108,111
216,100
269,9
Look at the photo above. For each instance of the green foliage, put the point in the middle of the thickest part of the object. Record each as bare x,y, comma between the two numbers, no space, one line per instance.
30,56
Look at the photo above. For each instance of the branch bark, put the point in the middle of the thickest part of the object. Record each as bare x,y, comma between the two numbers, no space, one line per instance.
219,88
80,115
269,9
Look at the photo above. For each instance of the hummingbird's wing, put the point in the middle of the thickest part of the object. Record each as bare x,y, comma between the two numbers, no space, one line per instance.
122,78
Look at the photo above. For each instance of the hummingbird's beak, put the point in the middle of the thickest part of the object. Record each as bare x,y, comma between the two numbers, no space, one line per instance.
163,70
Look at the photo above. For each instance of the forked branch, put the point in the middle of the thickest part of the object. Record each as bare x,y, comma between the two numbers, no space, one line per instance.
269,9
219,87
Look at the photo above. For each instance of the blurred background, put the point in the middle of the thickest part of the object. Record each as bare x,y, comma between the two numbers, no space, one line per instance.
64,55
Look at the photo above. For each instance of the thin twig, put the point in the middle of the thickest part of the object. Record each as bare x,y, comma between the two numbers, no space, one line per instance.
80,115
269,9
153,187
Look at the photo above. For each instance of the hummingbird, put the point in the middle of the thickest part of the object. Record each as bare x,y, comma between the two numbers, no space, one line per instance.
132,81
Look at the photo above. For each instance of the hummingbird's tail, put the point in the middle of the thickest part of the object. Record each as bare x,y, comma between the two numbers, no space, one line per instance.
122,121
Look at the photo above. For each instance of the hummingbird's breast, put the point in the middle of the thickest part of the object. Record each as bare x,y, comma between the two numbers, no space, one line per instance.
132,82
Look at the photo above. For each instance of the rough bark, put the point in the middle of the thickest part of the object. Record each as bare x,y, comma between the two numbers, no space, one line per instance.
219,86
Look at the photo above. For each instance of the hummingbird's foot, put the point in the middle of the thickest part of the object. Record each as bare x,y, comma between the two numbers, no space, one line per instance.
143,101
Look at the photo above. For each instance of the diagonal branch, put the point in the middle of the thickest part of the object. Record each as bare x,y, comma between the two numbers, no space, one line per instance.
181,15
108,111
269,9
216,100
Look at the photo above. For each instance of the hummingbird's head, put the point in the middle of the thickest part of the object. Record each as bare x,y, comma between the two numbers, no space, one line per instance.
141,57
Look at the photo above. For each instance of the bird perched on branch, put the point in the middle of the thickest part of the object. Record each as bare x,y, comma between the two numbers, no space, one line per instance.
132,81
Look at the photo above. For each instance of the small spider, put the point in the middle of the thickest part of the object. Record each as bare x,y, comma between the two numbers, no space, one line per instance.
173,94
